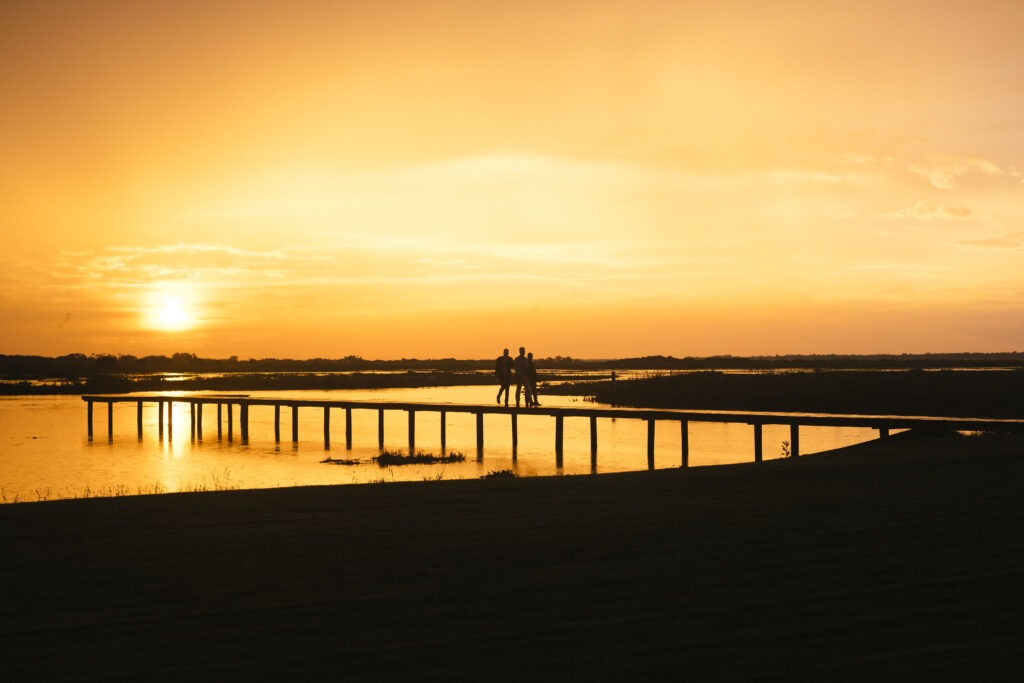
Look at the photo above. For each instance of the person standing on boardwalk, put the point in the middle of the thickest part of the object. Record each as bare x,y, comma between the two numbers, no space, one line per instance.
533,379
503,371
522,365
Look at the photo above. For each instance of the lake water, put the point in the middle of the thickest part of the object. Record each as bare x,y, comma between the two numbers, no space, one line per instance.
45,452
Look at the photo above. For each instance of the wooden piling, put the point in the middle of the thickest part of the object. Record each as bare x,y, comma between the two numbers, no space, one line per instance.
479,435
277,423
243,418
160,418
650,444
558,440
593,439
412,430
110,419
794,439
883,432
380,429
444,430
219,422
684,440
231,422
138,418
170,420
758,443
295,424
88,419
348,429
192,418
199,421
327,427
515,432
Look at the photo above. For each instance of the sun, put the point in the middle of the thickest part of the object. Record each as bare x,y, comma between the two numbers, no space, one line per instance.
170,313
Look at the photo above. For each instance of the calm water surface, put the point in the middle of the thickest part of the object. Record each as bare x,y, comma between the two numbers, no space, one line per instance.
45,452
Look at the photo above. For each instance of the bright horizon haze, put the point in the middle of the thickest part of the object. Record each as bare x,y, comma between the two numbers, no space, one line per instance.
446,179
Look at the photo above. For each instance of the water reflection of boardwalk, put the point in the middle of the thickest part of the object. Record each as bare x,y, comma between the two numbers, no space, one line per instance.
225,404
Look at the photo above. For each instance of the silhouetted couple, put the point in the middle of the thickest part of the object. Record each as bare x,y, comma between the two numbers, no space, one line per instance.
520,370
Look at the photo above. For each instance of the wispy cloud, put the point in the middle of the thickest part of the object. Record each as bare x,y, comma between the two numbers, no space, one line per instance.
1007,241
947,174
926,211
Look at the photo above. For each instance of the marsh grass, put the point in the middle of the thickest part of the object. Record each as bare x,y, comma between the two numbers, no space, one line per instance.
216,482
499,474
388,458
341,461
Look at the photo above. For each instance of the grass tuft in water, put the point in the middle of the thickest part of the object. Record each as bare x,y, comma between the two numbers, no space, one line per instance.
500,474
389,457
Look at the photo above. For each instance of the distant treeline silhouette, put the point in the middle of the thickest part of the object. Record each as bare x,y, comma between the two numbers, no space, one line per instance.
950,393
78,365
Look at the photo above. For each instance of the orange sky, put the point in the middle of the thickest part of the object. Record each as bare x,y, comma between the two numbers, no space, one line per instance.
438,179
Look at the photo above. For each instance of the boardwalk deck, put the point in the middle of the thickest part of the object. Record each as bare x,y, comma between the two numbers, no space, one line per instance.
883,423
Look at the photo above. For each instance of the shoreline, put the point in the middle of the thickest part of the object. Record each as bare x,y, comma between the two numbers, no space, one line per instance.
899,558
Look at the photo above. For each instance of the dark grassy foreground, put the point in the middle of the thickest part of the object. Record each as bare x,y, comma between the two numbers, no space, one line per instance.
901,559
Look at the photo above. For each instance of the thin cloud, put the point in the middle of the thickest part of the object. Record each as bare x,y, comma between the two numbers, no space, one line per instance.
1005,242
926,211
946,175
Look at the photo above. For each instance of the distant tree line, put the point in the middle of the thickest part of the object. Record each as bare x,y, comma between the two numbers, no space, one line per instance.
75,366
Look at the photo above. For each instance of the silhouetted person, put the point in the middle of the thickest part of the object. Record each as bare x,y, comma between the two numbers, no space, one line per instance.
503,371
533,380
522,365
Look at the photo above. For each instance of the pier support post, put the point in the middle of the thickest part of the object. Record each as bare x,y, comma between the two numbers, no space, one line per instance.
348,429
277,423
794,440
88,418
593,439
479,436
327,427
170,420
412,430
650,444
758,443
199,421
380,429
444,430
295,424
192,418
231,422
243,417
110,419
684,439
160,419
558,440
138,418
515,433
883,432
219,427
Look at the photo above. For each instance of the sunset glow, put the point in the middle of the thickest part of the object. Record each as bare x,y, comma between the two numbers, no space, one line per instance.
434,179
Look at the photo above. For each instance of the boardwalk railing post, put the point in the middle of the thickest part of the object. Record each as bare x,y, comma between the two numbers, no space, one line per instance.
558,441
479,436
380,428
199,420
758,443
231,422
110,419
327,427
444,430
219,421
160,419
650,444
348,429
412,430
794,439
138,419
295,424
277,423
684,440
88,418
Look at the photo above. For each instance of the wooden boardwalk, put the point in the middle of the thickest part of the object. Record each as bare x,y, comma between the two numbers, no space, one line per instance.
681,418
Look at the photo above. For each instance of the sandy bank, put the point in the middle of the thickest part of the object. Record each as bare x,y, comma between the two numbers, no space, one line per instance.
894,559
